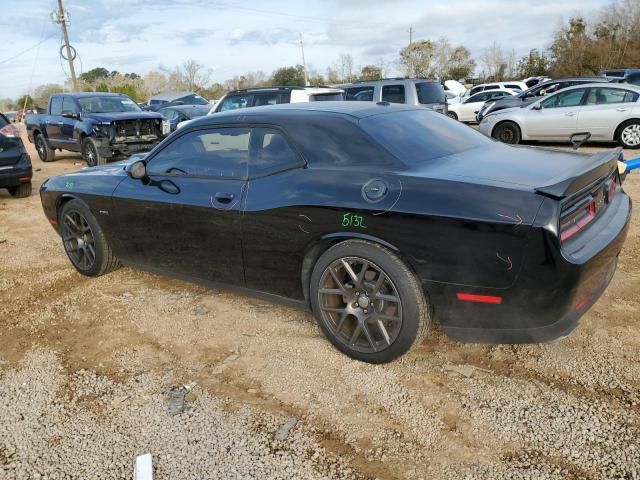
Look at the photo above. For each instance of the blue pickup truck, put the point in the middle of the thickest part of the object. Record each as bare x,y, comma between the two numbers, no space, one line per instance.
101,126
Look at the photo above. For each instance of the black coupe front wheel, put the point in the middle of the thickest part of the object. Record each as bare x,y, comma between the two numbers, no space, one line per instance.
367,302
84,242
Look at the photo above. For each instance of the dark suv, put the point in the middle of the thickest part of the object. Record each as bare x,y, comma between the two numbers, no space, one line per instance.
534,93
411,91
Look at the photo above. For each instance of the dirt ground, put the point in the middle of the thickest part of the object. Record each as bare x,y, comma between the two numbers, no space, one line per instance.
85,366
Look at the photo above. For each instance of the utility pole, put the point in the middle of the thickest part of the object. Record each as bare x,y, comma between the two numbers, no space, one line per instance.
304,65
61,18
410,35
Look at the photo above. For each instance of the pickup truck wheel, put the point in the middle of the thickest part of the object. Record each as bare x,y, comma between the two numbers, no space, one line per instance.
84,242
20,191
91,154
45,153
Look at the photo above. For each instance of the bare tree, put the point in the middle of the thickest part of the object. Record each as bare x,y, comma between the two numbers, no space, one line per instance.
417,59
496,63
195,75
344,67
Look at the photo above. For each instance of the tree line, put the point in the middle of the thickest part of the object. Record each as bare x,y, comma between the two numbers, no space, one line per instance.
579,47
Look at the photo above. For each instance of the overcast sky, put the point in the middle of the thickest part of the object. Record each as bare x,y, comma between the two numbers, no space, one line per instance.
232,36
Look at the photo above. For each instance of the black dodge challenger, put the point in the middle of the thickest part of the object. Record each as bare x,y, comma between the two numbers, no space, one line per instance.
377,217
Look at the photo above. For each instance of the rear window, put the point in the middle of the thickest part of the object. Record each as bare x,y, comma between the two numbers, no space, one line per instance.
326,97
430,92
634,79
192,99
3,121
416,136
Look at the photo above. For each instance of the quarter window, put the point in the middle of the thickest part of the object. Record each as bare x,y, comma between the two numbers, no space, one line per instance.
266,99
219,152
274,154
603,96
571,98
393,94
56,106
359,94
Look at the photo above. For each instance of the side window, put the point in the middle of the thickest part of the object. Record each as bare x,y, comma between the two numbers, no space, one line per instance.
478,97
273,153
571,98
234,102
513,86
359,94
633,79
169,114
393,94
56,106
266,99
604,96
69,105
216,152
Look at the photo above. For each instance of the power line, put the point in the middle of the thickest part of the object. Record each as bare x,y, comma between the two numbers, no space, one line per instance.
27,50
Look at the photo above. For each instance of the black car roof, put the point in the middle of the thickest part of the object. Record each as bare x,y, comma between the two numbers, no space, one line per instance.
356,110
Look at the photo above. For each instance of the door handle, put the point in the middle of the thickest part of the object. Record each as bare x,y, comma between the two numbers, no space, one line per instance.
570,114
621,109
60,124
169,187
224,197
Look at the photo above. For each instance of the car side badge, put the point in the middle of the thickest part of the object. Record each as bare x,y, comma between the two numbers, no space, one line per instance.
375,190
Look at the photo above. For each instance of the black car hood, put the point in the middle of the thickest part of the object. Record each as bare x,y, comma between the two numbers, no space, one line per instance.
497,163
109,117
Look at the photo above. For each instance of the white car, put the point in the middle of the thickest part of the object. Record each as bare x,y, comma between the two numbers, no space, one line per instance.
520,86
255,97
466,110
607,111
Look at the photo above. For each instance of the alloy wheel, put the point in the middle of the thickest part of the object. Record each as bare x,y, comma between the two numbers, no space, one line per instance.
90,155
78,240
360,304
41,148
631,135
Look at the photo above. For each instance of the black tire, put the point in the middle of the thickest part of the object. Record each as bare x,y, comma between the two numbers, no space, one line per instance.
507,132
91,153
404,321
452,115
628,134
20,191
45,153
77,237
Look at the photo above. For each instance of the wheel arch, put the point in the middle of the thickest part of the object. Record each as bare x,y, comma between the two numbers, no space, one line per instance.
62,200
317,247
617,131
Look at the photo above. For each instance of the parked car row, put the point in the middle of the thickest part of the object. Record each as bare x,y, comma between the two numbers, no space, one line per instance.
15,163
607,111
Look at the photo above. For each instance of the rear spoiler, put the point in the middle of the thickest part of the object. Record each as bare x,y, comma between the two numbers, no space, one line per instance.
598,165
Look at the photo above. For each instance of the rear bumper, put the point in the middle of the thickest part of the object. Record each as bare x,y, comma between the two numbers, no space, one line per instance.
15,176
553,291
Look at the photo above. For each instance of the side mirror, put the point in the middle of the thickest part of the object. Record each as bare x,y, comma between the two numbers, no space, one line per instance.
137,170
537,107
70,114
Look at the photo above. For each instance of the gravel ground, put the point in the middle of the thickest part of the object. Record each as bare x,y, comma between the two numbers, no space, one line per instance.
87,366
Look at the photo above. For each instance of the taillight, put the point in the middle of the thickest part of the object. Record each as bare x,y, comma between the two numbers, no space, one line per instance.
577,218
10,131
612,189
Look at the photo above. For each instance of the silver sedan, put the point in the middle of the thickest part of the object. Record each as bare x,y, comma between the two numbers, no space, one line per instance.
609,112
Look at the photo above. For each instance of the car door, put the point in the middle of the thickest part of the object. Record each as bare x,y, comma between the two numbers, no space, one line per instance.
605,109
471,105
555,118
53,122
70,112
185,218
273,225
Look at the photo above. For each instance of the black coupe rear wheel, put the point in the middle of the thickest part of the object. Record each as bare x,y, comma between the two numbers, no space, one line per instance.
367,302
84,241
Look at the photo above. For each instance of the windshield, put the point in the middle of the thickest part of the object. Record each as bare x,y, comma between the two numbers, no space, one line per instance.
430,92
108,104
193,99
416,136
